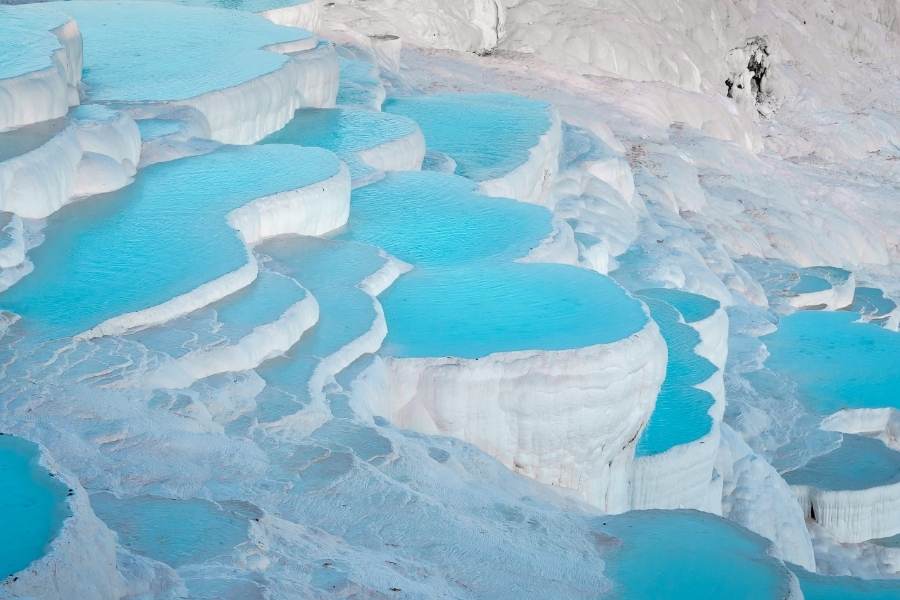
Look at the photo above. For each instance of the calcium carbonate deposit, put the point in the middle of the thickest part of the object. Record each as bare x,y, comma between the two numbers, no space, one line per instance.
473,300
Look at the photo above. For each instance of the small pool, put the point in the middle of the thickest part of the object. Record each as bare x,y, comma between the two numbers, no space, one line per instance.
836,362
155,128
687,555
872,303
681,414
808,284
30,137
344,131
431,219
174,52
270,295
160,237
32,506
488,135
693,307
331,271
488,307
858,463
822,587
176,532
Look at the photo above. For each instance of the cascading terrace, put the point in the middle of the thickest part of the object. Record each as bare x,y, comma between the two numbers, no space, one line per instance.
280,321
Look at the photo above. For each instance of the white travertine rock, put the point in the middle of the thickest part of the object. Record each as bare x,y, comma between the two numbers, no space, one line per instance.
97,152
853,516
684,476
532,180
558,417
303,14
265,342
246,113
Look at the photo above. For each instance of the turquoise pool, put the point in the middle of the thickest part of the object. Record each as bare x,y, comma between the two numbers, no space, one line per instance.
821,587
693,307
688,555
431,219
488,135
160,237
331,271
26,42
32,506
857,464
836,362
681,414
475,310
344,131
173,52
359,85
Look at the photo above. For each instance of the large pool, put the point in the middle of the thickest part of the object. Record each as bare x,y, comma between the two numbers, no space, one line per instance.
836,362
155,239
432,219
821,587
26,41
479,309
32,505
155,51
688,555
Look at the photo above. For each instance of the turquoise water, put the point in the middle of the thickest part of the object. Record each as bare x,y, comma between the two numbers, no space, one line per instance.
488,135
821,587
431,219
835,362
331,271
176,532
26,43
344,131
835,275
889,542
693,307
466,297
687,555
173,52
681,414
808,284
262,302
32,505
25,139
872,302
818,279
359,84
475,310
859,463
160,237
154,128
